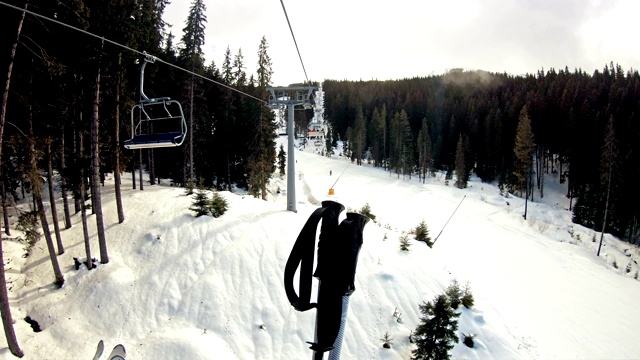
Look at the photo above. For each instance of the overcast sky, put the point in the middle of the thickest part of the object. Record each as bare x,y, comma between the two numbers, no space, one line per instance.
364,40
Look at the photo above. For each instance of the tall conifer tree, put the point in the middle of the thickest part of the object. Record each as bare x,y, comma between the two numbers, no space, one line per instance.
461,172
192,55
523,151
261,161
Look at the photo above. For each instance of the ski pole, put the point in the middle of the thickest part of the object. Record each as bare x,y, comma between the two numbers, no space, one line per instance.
337,283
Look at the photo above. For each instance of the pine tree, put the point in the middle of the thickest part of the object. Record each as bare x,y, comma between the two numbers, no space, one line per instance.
400,149
422,233
218,205
435,336
200,203
461,172
607,161
523,150
405,244
193,57
329,141
467,297
358,136
366,211
425,158
376,137
454,294
408,161
261,162
282,160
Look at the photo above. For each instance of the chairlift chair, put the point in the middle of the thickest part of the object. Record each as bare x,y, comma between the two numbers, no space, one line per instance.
156,122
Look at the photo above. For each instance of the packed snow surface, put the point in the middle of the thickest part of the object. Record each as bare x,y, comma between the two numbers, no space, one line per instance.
181,287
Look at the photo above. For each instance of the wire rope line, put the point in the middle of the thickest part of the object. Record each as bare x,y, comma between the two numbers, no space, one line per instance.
143,53
294,40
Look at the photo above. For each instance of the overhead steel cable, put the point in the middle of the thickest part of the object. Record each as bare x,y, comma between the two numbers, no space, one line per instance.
143,53
294,40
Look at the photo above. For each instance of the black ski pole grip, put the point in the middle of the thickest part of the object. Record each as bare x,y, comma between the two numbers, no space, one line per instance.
328,236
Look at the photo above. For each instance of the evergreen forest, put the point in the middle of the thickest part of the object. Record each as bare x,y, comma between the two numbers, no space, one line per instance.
582,127
64,80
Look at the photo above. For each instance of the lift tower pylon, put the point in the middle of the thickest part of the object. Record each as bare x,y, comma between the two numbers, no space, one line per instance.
290,97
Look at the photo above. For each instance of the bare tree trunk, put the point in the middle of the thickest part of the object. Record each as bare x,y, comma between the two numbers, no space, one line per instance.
95,184
83,212
52,199
65,199
37,194
5,309
77,205
116,171
5,211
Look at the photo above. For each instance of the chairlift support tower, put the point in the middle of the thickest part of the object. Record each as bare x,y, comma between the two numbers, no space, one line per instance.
290,97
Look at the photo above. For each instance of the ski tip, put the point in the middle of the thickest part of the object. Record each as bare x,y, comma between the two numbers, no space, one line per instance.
118,353
99,350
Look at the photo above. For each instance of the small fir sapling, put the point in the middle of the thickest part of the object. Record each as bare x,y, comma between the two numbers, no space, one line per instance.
467,296
190,187
404,242
455,294
218,205
421,233
200,203
366,211
387,341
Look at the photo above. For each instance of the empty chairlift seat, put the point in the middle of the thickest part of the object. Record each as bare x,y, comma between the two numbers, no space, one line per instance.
156,122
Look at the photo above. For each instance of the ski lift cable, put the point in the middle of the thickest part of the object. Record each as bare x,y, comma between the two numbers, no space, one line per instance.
143,53
294,40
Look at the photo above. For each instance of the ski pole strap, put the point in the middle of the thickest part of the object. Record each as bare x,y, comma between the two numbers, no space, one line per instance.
302,254
337,283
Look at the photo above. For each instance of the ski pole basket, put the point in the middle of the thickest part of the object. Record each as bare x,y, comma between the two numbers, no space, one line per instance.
156,122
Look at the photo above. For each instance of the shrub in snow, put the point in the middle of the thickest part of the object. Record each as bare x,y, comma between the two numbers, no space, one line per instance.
387,341
28,223
218,205
366,211
636,275
436,334
467,296
421,233
404,242
455,294
200,203
468,339
628,268
188,190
